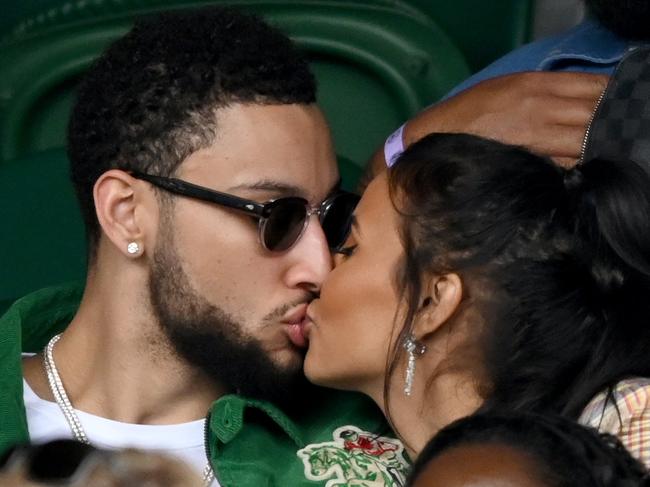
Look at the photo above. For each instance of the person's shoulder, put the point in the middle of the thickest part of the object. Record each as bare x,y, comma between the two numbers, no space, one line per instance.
587,47
351,430
526,58
39,315
330,409
613,411
48,300
329,437
632,412
315,413
633,396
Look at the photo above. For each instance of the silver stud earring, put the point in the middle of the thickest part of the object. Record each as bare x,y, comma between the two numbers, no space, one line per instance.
414,349
133,248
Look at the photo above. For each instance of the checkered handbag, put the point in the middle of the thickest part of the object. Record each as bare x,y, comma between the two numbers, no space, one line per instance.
620,128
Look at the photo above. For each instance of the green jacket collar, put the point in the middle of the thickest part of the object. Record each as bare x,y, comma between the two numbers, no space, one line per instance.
26,327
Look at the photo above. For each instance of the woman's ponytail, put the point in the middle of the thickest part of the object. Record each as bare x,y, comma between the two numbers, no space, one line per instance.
614,209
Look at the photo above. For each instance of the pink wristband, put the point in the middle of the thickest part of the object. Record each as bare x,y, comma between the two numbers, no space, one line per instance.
394,146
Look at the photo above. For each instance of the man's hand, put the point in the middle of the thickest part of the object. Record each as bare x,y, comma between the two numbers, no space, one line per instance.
546,112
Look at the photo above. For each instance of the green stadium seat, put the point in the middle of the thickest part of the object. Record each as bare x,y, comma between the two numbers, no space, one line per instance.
42,238
483,31
376,63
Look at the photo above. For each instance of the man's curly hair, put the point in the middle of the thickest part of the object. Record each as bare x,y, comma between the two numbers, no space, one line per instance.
151,99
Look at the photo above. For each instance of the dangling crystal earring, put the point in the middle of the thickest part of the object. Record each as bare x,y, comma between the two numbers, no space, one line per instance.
414,349
133,248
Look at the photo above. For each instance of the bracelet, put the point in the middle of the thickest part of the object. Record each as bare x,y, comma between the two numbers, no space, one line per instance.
394,146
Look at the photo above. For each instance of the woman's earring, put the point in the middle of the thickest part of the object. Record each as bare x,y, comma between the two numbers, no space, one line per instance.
414,349
133,248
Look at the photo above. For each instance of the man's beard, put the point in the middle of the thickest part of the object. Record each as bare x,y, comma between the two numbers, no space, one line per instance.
209,338
627,18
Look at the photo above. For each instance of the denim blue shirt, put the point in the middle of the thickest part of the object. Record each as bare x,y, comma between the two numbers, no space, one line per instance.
589,47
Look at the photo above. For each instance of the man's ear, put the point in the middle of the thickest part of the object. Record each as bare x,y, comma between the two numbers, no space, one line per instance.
441,300
119,206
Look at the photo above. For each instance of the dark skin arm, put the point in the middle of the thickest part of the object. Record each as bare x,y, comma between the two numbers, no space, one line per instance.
546,112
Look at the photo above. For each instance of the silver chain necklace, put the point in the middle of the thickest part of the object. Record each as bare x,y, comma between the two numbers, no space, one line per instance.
63,401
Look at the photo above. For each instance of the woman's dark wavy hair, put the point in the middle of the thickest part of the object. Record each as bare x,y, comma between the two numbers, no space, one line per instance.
556,262
564,453
150,100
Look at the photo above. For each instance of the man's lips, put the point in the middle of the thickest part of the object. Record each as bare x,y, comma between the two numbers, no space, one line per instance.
295,323
309,321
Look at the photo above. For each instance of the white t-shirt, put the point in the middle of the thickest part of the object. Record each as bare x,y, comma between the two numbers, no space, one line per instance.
46,422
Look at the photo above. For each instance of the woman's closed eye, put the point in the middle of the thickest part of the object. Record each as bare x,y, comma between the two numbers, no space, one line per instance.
346,251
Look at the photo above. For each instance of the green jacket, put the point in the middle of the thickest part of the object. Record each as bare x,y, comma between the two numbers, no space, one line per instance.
341,440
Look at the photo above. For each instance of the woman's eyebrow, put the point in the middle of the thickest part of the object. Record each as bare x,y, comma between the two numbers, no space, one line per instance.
354,222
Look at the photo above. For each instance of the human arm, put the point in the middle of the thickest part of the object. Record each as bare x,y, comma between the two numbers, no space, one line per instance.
544,111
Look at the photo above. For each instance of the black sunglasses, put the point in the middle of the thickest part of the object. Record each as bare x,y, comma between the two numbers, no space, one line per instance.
282,221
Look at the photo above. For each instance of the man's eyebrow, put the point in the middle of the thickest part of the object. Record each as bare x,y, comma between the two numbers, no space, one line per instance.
281,189
269,186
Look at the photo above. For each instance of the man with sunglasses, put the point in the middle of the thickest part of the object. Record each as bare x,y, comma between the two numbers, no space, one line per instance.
209,189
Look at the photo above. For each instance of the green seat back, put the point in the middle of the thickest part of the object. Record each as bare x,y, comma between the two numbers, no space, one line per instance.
42,234
482,30
376,65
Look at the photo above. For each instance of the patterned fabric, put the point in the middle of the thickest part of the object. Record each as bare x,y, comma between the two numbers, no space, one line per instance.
621,125
356,457
627,417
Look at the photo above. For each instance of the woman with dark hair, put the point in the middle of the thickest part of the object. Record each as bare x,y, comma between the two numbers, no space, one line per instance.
478,275
526,450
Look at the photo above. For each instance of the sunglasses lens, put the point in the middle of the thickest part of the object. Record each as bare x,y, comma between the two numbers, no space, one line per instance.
336,218
284,224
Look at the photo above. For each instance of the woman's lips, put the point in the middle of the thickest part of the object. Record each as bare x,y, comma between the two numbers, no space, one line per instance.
308,325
